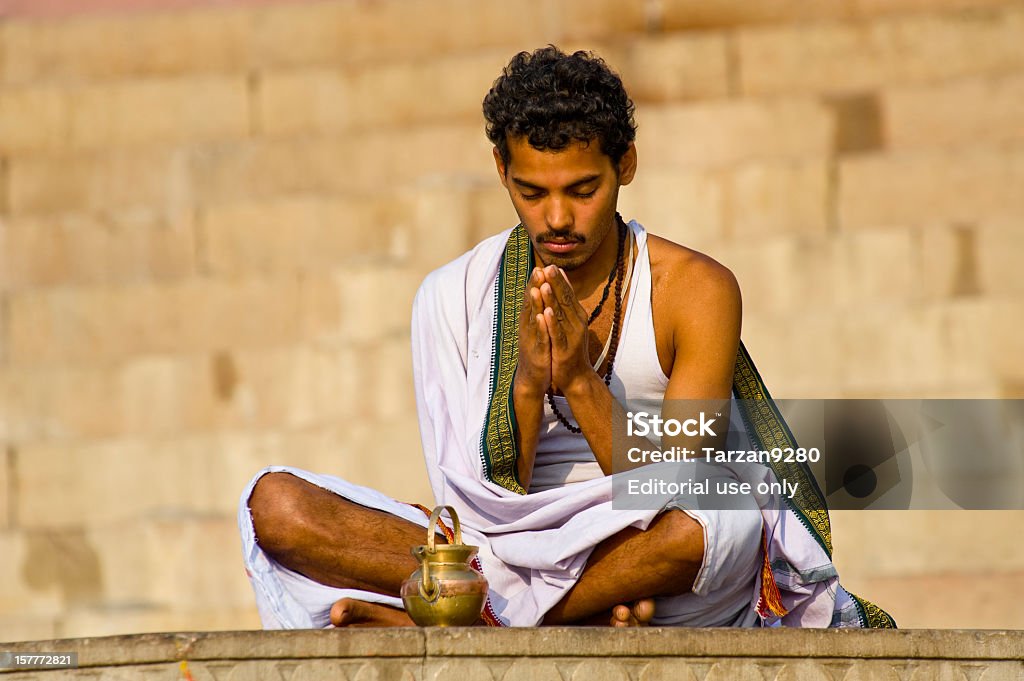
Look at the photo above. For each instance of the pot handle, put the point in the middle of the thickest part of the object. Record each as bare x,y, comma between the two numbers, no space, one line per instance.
432,526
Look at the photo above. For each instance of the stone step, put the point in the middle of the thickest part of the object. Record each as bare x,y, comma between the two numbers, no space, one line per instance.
542,654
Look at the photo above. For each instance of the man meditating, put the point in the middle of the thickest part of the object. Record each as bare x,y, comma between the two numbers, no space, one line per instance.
524,351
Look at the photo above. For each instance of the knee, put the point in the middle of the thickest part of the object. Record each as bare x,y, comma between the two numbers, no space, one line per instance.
681,539
276,507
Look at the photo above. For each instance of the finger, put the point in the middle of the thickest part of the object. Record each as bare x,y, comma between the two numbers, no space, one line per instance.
559,282
535,280
551,301
536,302
556,330
543,335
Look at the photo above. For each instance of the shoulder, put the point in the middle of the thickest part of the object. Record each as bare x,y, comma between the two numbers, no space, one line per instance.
693,281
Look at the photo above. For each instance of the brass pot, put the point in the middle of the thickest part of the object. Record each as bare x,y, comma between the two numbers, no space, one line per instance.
445,591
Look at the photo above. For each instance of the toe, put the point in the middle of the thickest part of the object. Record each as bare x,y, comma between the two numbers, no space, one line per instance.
643,610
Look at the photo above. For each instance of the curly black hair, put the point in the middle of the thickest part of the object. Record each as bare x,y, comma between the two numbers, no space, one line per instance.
553,98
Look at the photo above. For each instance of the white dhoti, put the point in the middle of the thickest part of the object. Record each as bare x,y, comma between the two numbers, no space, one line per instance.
533,547
724,593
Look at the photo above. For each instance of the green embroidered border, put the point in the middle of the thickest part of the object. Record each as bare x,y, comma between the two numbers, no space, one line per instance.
498,441
768,429
871,616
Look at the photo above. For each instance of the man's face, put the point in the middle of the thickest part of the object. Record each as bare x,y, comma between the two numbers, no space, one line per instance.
565,199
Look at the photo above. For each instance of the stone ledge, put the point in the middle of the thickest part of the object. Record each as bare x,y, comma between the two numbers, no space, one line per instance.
425,653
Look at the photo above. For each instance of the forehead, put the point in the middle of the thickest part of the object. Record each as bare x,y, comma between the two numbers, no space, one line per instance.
547,167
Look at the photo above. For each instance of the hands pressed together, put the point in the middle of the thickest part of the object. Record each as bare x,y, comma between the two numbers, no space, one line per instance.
553,333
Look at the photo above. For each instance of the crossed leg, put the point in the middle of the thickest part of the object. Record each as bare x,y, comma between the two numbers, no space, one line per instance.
339,543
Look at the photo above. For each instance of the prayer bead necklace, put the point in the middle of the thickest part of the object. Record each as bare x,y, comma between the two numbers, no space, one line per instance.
619,273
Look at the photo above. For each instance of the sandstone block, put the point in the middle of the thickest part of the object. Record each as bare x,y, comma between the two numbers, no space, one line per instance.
201,475
1000,250
928,347
948,261
60,403
5,191
96,182
867,8
193,315
46,571
780,197
676,68
687,207
27,627
440,91
908,189
238,171
324,33
113,620
160,396
683,15
388,161
378,300
583,20
876,267
33,118
491,212
316,101
948,114
196,565
782,275
891,349
977,334
295,388
1005,343
299,234
887,51
120,46
694,14
8,491
386,377
430,156
441,227
91,485
386,455
112,248
972,603
159,111
917,543
279,388
725,133
796,354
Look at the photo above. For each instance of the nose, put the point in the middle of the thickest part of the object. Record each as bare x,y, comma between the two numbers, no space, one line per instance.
559,215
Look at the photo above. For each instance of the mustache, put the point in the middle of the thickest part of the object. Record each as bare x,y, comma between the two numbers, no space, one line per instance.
561,238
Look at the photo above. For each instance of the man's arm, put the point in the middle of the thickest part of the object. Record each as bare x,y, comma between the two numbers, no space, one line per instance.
704,317
533,376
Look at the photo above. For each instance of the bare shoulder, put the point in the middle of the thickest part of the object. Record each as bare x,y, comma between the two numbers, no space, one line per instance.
692,281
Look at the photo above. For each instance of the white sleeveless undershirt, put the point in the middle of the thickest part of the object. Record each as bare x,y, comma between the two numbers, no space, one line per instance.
564,457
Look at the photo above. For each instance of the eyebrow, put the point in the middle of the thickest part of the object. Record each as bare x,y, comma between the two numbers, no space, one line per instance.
529,185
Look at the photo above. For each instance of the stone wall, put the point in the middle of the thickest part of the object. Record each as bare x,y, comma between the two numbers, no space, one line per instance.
213,221
547,654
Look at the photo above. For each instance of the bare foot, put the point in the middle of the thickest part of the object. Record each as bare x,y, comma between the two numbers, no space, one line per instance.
639,614
349,612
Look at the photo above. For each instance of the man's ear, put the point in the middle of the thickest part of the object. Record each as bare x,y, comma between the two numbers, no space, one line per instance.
500,165
627,165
